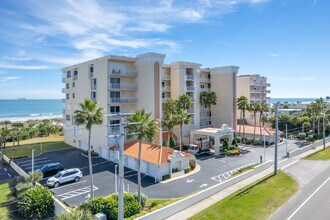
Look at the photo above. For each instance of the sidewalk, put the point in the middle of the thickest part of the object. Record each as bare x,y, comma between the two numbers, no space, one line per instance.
200,206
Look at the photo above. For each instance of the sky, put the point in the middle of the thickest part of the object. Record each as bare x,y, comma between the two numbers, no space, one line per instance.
285,40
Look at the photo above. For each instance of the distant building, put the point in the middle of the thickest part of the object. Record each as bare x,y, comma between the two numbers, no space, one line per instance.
255,88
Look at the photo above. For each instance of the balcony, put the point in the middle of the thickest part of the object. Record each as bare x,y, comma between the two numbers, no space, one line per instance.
190,88
205,80
166,88
192,99
123,100
165,99
63,80
75,77
190,77
166,77
267,91
204,89
113,129
93,99
267,84
91,74
93,87
63,90
129,73
122,86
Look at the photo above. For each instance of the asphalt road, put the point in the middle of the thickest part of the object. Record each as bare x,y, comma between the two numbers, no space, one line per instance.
313,200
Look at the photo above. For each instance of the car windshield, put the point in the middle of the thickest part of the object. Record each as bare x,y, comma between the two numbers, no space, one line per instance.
43,167
58,175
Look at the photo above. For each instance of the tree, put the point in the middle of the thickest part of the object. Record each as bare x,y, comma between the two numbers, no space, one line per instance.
211,99
17,126
254,108
184,102
242,104
182,118
89,115
262,109
147,128
77,214
169,119
5,132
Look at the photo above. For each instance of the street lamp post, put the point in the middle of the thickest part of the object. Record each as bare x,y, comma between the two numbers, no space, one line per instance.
264,147
286,140
276,140
116,188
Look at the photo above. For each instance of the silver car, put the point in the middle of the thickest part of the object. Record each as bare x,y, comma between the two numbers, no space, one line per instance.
64,177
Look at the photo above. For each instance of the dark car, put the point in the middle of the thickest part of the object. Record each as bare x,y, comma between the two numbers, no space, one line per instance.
51,169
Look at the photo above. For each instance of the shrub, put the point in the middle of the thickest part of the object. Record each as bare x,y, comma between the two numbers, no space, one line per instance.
93,153
36,203
78,214
109,206
144,199
302,136
166,177
249,141
174,170
22,186
310,137
225,143
234,142
172,142
192,163
239,139
35,177
187,170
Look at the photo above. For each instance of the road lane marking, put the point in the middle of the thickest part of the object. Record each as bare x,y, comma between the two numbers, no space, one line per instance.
308,198
69,184
189,181
203,185
290,164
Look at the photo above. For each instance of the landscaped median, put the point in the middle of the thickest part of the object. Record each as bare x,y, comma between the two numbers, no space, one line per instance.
255,201
320,155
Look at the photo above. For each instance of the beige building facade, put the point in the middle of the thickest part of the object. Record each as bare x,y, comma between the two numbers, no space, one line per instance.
124,84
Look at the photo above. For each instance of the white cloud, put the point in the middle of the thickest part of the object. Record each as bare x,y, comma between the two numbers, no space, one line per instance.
192,15
9,78
21,56
23,67
274,54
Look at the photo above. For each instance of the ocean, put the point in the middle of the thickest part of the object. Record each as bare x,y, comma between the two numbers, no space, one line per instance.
289,100
26,109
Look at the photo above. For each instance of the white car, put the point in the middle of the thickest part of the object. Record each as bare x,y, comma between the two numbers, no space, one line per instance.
64,177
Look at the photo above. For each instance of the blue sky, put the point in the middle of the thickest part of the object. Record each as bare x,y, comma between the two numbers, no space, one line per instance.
284,40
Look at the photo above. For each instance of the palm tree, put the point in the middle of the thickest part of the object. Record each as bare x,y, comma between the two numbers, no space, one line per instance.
211,99
182,118
202,100
89,115
17,126
262,109
5,132
147,128
242,104
169,122
254,107
184,102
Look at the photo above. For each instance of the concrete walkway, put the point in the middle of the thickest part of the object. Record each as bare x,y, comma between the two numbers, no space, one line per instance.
200,206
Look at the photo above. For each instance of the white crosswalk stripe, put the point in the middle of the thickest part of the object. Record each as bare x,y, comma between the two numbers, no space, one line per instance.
222,177
76,192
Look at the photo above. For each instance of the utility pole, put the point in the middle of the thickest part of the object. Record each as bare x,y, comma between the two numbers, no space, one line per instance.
276,139
323,130
264,147
116,181
286,140
32,161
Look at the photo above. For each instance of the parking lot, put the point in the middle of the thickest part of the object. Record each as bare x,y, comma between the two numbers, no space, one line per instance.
7,173
213,170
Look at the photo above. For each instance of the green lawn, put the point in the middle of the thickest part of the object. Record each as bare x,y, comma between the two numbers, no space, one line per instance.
26,150
256,201
53,138
5,197
320,155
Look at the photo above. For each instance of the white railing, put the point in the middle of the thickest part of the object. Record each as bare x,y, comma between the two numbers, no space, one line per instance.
190,77
166,77
166,88
190,88
165,99
122,86
93,87
91,74
205,80
123,100
63,90
122,72
114,129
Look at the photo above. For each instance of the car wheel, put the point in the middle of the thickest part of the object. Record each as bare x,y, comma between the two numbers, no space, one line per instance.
76,179
56,184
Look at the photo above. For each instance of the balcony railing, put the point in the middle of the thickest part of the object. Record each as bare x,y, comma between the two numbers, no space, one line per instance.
204,89
190,88
113,129
122,72
93,99
165,99
267,91
166,77
128,86
75,77
205,80
191,111
123,100
204,124
205,118
190,77
63,80
63,90
166,88
91,74
93,87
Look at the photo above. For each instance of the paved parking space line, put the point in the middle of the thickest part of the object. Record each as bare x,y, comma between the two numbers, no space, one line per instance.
75,193
35,160
29,159
69,185
39,162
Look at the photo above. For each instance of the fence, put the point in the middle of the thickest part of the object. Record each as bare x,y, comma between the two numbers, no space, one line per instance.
307,148
191,200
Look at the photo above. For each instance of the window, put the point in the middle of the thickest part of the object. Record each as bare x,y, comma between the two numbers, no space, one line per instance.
163,95
67,117
67,96
73,84
91,69
163,84
114,94
67,86
114,109
68,74
75,74
202,86
114,80
93,96
73,95
209,85
93,84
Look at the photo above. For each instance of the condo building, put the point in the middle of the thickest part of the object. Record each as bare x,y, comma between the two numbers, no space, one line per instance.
123,84
255,88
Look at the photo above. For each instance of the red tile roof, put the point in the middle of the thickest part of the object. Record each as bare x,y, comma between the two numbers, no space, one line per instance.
249,129
165,135
150,152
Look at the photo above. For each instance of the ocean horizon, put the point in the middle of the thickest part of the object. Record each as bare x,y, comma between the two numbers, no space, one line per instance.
30,109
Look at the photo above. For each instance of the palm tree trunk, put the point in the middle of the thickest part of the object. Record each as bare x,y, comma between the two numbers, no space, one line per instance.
180,136
255,125
243,124
90,162
168,137
260,118
318,126
240,124
139,172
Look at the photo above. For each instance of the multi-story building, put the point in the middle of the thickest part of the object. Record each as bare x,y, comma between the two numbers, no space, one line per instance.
255,88
123,84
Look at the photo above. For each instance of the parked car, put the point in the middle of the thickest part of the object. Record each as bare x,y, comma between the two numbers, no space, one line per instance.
64,177
50,169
